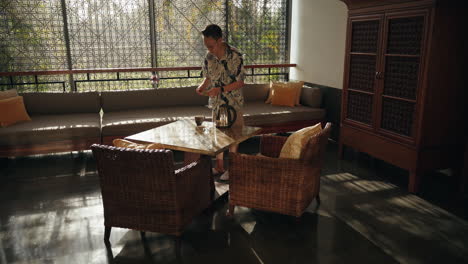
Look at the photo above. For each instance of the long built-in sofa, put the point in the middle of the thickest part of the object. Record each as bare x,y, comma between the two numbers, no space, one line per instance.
73,121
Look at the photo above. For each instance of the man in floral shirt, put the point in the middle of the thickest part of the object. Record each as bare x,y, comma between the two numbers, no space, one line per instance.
223,70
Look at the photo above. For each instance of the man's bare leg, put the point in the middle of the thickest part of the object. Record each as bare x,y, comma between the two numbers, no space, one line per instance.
220,163
220,157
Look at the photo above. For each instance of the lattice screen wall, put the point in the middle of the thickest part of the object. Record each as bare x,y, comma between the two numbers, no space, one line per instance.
90,34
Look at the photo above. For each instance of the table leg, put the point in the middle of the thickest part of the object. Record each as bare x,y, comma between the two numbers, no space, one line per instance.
190,157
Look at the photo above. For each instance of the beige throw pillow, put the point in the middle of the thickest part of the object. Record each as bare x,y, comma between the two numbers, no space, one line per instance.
293,146
122,143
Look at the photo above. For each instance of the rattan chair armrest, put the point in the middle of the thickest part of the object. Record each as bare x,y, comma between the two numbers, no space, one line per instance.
271,146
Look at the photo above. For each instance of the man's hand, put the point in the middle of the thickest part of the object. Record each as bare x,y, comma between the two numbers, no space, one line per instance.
214,91
200,90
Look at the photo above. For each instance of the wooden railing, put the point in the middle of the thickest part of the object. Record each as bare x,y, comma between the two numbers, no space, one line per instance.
14,79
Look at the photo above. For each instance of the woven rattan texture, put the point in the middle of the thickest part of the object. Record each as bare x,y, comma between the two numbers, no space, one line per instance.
271,145
365,36
404,35
359,107
401,77
142,191
397,116
362,71
285,186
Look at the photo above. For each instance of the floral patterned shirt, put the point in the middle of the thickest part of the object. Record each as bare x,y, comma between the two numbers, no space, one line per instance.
224,71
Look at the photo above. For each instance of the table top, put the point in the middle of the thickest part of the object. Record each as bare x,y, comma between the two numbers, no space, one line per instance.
185,135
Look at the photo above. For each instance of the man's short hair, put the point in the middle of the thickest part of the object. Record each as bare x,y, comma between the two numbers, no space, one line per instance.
213,31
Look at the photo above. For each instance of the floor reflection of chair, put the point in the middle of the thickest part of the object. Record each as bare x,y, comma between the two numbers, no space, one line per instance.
270,183
210,238
153,248
141,190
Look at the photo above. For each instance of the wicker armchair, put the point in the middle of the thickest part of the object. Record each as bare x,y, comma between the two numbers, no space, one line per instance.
269,183
142,191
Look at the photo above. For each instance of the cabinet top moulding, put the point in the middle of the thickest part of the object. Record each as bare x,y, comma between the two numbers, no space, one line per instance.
365,6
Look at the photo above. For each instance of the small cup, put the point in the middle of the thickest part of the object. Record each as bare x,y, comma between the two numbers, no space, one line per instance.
199,120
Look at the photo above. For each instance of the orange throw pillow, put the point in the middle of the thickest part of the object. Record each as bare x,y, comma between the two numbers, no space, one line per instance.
296,85
284,95
12,111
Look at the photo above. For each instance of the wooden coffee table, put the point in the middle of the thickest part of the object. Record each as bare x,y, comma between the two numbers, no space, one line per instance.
184,135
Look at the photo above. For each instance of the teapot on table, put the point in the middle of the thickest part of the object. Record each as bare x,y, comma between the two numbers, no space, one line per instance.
226,115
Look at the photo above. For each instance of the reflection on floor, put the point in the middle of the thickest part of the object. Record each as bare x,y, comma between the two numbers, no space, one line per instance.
51,212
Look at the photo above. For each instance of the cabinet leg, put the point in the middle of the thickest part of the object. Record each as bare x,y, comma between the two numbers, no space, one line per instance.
414,180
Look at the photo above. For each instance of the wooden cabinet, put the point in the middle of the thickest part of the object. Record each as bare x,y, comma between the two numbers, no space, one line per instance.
403,100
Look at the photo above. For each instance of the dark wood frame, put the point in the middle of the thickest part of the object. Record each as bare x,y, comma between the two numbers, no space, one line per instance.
348,54
439,129
419,96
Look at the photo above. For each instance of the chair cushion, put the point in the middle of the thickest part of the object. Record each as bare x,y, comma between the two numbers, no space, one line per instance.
12,111
49,128
125,123
297,141
123,143
311,149
259,113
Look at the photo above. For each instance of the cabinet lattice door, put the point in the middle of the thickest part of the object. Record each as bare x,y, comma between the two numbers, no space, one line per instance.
362,68
401,67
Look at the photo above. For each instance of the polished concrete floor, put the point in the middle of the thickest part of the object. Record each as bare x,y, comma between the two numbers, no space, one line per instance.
51,212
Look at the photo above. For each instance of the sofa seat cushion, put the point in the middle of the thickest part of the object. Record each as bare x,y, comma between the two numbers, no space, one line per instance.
259,113
125,123
48,128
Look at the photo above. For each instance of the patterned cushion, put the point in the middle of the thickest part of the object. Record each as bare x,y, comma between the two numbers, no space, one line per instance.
297,141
